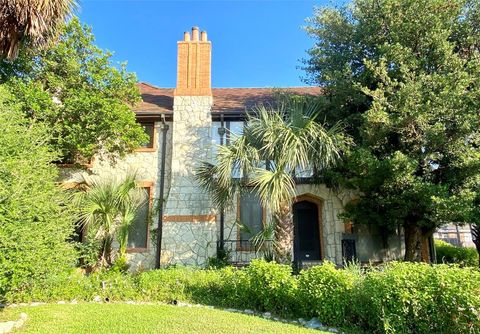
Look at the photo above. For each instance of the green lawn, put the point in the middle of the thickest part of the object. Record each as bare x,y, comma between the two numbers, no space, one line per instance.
125,318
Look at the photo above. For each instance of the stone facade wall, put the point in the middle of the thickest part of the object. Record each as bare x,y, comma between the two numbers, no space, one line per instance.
370,247
146,165
189,234
191,224
332,225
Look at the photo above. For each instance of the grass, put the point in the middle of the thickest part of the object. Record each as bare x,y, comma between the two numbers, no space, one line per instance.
127,318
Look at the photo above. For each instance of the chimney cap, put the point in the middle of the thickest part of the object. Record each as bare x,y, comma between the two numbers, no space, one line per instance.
195,28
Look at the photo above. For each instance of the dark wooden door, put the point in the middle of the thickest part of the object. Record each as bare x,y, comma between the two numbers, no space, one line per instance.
307,232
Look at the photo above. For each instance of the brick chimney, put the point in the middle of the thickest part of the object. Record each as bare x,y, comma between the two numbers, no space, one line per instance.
194,65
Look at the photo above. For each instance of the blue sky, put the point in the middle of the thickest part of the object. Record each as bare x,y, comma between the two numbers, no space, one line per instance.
255,43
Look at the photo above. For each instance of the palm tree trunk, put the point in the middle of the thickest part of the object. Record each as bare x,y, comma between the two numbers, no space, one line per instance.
106,252
123,240
283,246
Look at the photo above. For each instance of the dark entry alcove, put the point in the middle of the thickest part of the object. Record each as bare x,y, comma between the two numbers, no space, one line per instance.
307,232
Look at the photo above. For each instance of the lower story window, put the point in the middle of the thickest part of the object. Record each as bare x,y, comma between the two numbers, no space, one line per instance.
138,230
251,217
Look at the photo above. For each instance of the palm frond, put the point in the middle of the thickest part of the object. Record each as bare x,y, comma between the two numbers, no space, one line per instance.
222,193
107,206
274,187
288,137
33,22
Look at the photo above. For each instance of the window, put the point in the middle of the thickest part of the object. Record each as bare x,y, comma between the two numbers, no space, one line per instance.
251,216
138,230
149,128
233,129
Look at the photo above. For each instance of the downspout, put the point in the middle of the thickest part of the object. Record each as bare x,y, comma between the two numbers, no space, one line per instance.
164,128
221,247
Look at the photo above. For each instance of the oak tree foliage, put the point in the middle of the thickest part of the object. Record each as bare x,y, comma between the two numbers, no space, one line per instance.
404,77
74,87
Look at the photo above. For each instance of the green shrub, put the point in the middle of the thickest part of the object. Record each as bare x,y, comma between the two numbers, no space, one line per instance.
108,285
34,221
269,287
325,292
211,287
418,298
221,287
120,264
165,285
448,253
397,298
220,260
87,253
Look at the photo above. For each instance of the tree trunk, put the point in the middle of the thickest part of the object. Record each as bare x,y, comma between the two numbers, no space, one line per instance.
476,239
416,242
283,246
106,252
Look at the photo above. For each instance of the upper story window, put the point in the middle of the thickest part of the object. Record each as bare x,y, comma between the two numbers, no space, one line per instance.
304,172
149,128
232,130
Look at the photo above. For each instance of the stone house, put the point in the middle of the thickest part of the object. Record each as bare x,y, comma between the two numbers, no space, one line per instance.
184,125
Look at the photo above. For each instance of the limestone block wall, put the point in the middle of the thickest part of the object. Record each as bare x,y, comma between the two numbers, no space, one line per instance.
146,165
333,227
369,245
189,229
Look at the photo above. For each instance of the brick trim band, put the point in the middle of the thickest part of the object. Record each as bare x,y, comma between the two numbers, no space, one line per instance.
190,218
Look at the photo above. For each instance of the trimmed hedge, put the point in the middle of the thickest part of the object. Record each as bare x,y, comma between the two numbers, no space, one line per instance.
418,298
396,298
448,253
327,293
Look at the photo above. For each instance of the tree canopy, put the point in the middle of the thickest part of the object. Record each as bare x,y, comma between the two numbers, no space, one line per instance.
74,88
404,76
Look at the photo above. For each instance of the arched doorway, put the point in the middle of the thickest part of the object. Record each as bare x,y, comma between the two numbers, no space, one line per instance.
308,231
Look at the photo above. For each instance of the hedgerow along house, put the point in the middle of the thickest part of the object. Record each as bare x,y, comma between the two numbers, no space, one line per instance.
184,125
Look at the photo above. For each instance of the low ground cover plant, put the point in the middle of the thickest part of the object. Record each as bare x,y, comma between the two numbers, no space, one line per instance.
395,298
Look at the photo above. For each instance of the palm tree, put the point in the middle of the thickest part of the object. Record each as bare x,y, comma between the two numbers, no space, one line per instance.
107,209
31,21
273,145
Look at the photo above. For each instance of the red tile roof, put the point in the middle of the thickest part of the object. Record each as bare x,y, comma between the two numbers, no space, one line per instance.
160,100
